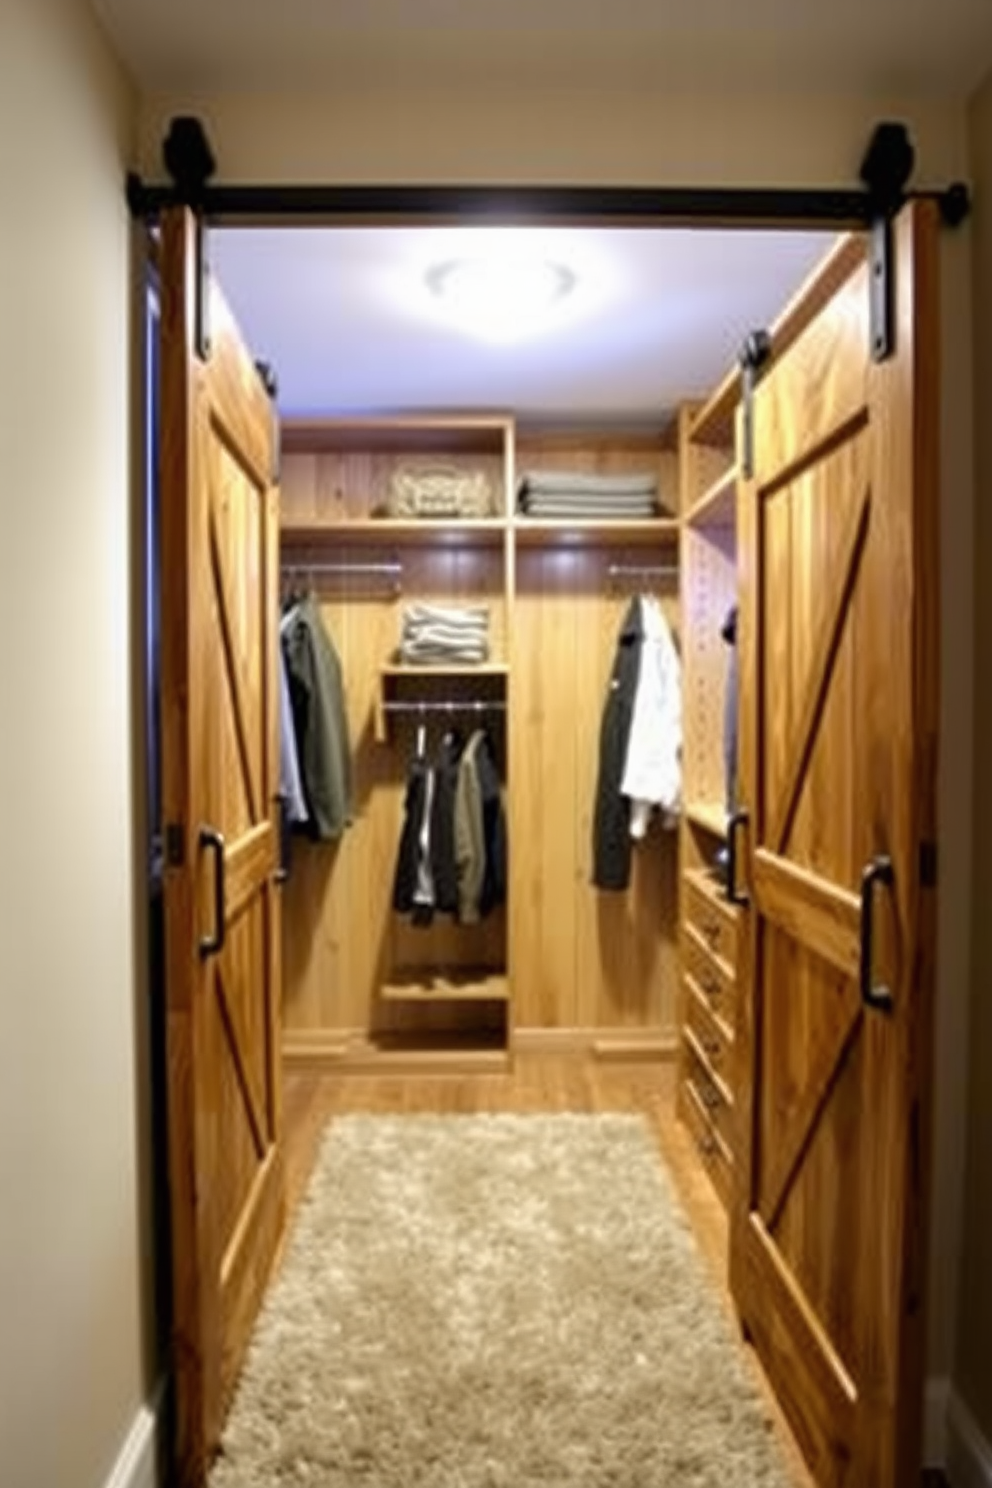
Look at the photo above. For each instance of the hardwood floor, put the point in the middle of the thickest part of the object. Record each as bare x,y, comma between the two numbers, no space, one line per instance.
535,1084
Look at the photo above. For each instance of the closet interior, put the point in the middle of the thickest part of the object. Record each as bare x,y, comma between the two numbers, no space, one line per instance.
375,978
559,965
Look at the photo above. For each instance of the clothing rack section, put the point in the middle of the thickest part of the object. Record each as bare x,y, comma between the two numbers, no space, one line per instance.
355,971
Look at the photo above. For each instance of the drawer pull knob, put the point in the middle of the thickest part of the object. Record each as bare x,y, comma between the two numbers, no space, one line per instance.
711,1098
712,931
712,1047
710,984
707,1146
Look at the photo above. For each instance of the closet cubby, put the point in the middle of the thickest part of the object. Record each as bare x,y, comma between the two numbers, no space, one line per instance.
706,1099
358,979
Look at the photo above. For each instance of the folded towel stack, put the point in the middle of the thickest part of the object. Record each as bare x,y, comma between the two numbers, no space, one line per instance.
573,494
435,635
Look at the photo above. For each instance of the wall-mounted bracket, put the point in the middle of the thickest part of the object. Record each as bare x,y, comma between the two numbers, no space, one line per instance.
885,172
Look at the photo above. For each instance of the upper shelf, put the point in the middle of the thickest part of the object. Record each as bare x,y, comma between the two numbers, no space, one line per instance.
717,507
390,532
537,532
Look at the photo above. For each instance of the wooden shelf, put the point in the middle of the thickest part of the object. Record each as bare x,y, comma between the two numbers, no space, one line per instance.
443,433
542,532
461,669
714,422
452,986
709,815
388,532
717,507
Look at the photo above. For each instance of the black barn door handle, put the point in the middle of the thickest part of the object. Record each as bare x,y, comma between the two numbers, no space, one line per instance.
212,945
878,871
737,820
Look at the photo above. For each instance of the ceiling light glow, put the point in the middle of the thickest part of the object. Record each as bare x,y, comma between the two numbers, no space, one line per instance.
499,297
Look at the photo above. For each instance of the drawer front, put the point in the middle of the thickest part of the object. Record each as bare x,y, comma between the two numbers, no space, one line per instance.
710,1034
711,1097
710,976
711,1152
715,924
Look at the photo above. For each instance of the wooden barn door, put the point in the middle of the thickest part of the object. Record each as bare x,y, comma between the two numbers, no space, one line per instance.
839,713
219,555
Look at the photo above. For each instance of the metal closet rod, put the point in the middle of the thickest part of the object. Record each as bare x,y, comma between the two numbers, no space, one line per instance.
660,570
466,705
393,570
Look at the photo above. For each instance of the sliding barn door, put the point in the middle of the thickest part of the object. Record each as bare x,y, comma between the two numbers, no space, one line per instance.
839,715
219,555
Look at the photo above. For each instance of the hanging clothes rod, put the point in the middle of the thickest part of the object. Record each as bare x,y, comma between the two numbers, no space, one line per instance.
639,570
392,570
466,705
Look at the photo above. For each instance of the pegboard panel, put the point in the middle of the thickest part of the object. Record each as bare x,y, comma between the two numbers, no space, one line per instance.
709,589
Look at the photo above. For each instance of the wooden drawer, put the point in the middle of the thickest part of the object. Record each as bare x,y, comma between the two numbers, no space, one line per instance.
712,977
713,1036
712,1154
711,1089
712,918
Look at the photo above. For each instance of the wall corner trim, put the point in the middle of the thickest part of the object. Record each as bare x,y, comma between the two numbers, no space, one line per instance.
936,1400
137,1464
969,1453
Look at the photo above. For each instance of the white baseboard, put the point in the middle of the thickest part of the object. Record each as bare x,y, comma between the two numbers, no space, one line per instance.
137,1465
969,1454
936,1399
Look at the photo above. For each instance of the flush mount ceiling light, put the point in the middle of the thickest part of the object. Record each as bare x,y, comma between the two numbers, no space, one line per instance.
499,297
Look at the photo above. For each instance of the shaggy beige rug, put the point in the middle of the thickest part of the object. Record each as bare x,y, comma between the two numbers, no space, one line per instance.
495,1302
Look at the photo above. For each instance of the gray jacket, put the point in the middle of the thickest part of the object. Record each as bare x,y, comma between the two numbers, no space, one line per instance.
321,722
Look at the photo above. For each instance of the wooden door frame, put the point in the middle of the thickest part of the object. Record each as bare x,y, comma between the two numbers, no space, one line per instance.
828,210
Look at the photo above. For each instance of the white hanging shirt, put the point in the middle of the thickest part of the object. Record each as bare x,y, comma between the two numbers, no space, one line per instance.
653,768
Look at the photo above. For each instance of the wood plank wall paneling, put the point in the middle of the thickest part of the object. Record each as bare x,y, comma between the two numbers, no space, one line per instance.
581,957
578,958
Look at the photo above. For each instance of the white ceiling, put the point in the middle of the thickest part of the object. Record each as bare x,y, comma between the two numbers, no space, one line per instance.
656,315
938,44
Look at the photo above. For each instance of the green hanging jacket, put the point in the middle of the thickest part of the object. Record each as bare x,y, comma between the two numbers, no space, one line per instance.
320,718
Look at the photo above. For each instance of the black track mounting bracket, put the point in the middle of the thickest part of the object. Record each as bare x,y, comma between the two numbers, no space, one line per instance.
755,352
885,173
190,161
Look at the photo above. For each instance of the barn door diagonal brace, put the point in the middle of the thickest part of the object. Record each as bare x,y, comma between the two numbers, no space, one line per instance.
755,352
191,162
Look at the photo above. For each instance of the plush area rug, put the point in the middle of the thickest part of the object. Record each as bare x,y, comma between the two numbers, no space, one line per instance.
495,1302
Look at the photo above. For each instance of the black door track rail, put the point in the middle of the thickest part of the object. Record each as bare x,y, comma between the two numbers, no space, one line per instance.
885,175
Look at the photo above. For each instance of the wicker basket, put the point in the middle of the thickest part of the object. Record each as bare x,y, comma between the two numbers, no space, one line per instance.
439,491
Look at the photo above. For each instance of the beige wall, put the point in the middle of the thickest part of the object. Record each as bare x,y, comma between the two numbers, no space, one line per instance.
73,1370
395,133
974,1358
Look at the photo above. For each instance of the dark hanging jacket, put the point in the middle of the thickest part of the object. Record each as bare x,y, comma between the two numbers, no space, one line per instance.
427,880
611,848
444,866
410,865
493,890
317,697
